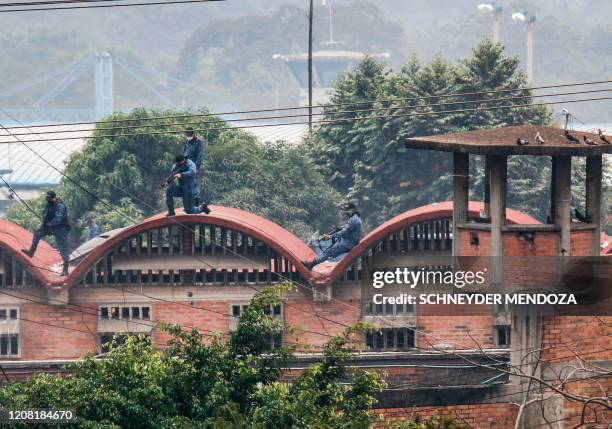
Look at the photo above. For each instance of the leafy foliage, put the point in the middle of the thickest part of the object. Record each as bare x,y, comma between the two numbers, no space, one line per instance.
125,171
208,384
366,159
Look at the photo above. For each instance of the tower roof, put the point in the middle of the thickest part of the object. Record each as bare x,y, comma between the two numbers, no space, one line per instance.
503,141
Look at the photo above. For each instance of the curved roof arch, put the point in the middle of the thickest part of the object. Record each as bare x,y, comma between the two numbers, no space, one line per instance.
409,217
274,235
14,238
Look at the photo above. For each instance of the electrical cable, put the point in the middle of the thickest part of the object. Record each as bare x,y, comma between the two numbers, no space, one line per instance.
97,6
331,121
385,108
327,106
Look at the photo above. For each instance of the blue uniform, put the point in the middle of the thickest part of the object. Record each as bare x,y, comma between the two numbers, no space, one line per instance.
186,187
348,237
55,223
194,150
93,231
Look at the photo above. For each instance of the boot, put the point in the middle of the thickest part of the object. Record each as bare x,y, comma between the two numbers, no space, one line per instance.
65,269
309,264
204,209
29,252
170,212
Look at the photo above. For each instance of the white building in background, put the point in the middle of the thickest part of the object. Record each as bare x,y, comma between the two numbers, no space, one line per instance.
25,151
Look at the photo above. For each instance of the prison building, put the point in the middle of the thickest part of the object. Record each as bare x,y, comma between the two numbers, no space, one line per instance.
202,271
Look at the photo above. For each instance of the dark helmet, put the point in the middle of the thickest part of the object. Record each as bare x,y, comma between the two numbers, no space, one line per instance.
349,206
179,158
189,132
50,195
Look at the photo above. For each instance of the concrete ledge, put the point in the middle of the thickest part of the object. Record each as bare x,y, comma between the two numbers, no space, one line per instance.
449,395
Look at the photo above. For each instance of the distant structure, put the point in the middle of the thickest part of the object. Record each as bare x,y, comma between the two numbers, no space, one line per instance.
25,172
327,65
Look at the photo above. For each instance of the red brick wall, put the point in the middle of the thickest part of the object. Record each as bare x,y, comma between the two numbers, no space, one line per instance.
52,342
581,243
478,416
586,335
467,331
199,317
545,243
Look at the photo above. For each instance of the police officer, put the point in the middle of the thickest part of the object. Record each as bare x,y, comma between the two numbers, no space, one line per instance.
93,229
183,183
55,223
347,237
194,150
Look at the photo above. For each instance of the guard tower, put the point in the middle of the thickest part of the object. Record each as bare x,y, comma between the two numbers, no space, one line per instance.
559,237
327,65
493,236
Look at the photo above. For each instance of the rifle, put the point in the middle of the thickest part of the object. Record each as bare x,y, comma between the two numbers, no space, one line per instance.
333,240
175,170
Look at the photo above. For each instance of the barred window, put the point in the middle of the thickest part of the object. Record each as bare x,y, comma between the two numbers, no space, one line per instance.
387,309
125,313
395,339
503,336
9,345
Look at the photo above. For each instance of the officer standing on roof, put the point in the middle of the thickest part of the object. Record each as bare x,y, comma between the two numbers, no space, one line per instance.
183,182
194,151
93,229
55,223
348,237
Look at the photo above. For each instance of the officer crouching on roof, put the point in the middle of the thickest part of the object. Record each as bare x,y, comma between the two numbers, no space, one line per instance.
183,182
347,237
55,223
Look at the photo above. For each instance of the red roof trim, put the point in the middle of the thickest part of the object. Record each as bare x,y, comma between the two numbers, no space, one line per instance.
423,213
277,237
14,238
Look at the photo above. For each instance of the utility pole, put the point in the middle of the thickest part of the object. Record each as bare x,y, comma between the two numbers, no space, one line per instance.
310,23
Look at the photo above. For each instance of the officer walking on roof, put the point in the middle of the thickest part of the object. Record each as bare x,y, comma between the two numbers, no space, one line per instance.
183,182
347,237
194,151
55,223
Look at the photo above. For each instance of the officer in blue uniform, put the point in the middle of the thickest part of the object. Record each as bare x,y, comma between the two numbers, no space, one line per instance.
55,223
345,238
194,151
183,182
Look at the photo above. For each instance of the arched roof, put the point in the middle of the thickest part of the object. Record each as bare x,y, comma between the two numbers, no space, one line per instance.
420,214
14,238
275,236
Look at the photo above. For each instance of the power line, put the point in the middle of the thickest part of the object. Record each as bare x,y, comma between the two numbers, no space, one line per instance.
47,2
327,106
331,121
419,106
96,6
230,250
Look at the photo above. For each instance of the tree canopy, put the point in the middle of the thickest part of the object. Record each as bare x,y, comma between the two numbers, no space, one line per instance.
118,178
218,382
365,159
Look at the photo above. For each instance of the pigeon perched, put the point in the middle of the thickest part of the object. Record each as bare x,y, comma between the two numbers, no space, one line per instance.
539,139
580,217
602,137
521,142
570,137
589,141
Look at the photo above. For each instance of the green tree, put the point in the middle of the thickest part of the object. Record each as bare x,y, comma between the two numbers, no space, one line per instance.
118,178
208,384
366,159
